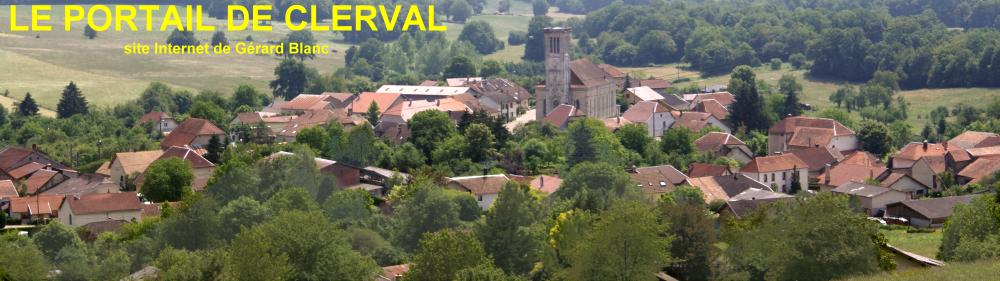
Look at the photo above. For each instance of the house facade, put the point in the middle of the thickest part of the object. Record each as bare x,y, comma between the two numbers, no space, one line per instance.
778,171
801,131
654,115
84,209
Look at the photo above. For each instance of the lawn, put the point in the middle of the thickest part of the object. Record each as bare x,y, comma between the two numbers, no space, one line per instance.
924,244
44,62
981,270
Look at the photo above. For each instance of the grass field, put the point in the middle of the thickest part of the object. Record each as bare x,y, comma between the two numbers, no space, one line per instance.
44,62
924,244
981,270
817,91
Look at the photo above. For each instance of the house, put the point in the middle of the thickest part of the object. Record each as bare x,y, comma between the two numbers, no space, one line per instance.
863,158
978,170
484,188
25,171
428,83
160,121
616,75
393,272
45,179
726,99
654,115
803,132
84,209
363,101
905,183
930,212
818,158
697,170
395,133
656,180
275,122
201,168
615,123
402,112
12,157
313,118
739,208
91,231
778,171
844,173
193,132
77,184
695,121
659,85
984,151
713,107
726,145
422,92
731,187
971,139
460,81
562,115
546,184
926,170
307,102
909,154
579,83
501,95
872,198
320,162
667,172
127,166
7,190
638,94
35,208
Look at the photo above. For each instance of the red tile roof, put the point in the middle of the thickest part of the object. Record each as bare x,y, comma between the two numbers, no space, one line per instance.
697,170
104,203
383,100
774,163
653,83
7,189
915,150
42,204
862,158
10,156
694,121
614,123
136,162
670,173
790,124
984,151
587,74
937,163
480,185
980,169
391,273
313,118
154,117
715,141
427,83
306,102
187,154
38,179
811,137
642,111
562,114
970,139
845,173
713,107
817,157
545,183
611,70
187,131
25,170
724,98
405,110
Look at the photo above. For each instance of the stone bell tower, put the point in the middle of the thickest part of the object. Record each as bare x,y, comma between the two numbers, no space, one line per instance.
557,72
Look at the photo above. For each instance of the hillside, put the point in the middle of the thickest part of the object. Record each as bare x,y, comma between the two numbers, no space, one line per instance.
981,270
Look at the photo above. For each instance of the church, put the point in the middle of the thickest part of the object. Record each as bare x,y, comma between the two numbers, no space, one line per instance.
579,83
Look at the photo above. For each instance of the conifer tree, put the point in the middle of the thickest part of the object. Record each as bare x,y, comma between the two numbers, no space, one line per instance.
27,106
72,102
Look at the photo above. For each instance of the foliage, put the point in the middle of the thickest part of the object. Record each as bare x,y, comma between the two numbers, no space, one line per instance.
89,32
694,239
244,212
592,186
972,232
167,179
460,67
290,79
508,233
748,109
182,38
219,39
539,7
426,209
480,34
428,128
874,137
442,254
625,243
72,102
27,106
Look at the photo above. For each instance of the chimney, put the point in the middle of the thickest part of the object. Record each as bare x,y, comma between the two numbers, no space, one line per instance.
945,144
541,181
871,174
828,174
438,102
925,145
34,147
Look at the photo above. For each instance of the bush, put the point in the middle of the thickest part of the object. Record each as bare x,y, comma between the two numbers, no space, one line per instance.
775,64
517,38
797,60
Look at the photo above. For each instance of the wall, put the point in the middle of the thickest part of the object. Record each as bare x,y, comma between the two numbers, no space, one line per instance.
67,218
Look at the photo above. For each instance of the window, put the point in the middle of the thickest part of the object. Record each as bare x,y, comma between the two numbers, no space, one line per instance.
480,198
784,176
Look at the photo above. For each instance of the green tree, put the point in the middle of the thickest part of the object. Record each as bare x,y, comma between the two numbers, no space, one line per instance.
594,185
504,6
247,95
484,272
430,127
459,10
482,143
540,7
790,89
182,38
678,141
508,233
211,112
302,38
634,136
290,79
214,149
314,250
361,149
244,212
292,199
54,238
748,111
426,209
460,67
219,39
874,137
72,102
167,180
348,207
972,232
316,138
480,35
27,106
442,254
373,115
89,32
657,47
694,239
492,68
22,259
626,243
534,48
798,60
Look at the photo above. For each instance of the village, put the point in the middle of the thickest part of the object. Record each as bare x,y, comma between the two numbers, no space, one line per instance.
804,155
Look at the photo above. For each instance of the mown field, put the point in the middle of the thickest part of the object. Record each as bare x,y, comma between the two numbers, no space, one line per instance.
44,62
817,91
924,244
981,270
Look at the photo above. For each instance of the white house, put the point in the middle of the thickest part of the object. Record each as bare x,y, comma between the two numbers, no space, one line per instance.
777,171
798,132
873,198
654,115
484,188
84,209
